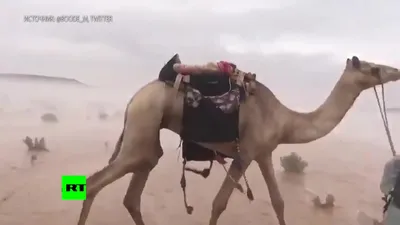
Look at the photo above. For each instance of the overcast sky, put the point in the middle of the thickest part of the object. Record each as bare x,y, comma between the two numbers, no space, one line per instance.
280,40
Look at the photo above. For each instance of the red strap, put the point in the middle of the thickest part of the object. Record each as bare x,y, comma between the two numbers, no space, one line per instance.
225,67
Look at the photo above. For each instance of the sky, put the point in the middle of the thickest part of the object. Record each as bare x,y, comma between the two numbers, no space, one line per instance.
291,45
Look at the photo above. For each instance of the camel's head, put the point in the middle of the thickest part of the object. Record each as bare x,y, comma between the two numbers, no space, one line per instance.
367,74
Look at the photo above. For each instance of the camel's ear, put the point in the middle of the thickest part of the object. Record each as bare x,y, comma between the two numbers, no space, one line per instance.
356,62
349,64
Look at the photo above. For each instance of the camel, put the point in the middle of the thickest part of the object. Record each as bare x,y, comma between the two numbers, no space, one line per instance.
264,123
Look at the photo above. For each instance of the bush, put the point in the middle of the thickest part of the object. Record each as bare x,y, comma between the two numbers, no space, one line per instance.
293,163
49,118
38,145
103,116
329,202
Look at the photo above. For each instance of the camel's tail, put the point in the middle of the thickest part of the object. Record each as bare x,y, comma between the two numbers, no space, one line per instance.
117,148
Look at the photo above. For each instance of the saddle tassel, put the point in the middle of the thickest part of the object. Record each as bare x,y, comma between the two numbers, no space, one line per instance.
204,173
189,209
249,193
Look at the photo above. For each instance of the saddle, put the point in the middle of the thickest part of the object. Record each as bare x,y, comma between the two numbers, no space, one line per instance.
179,75
212,96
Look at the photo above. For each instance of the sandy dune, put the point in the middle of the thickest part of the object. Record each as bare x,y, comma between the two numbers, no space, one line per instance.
349,170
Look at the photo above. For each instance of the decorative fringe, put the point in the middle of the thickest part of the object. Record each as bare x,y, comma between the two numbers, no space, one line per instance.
206,172
189,209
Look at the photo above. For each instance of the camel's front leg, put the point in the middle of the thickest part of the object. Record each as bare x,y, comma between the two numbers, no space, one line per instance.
221,200
265,163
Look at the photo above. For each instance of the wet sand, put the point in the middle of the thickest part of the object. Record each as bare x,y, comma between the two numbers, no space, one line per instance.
348,169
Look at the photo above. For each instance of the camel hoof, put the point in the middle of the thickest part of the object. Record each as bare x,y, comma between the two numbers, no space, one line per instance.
189,210
250,195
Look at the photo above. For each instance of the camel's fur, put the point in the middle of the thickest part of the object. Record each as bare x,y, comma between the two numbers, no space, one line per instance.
264,124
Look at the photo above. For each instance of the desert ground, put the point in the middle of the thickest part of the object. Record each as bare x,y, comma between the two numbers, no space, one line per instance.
348,168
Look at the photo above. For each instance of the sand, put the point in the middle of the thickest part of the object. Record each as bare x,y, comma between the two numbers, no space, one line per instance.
348,169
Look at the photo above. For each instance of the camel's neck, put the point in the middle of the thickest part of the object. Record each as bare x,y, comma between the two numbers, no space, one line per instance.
307,127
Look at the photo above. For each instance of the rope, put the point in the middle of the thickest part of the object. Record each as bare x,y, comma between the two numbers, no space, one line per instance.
382,110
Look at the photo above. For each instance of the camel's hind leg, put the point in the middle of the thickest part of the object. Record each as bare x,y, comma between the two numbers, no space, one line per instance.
221,199
133,195
102,178
127,161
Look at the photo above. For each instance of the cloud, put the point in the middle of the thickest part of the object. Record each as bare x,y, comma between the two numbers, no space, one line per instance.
278,39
